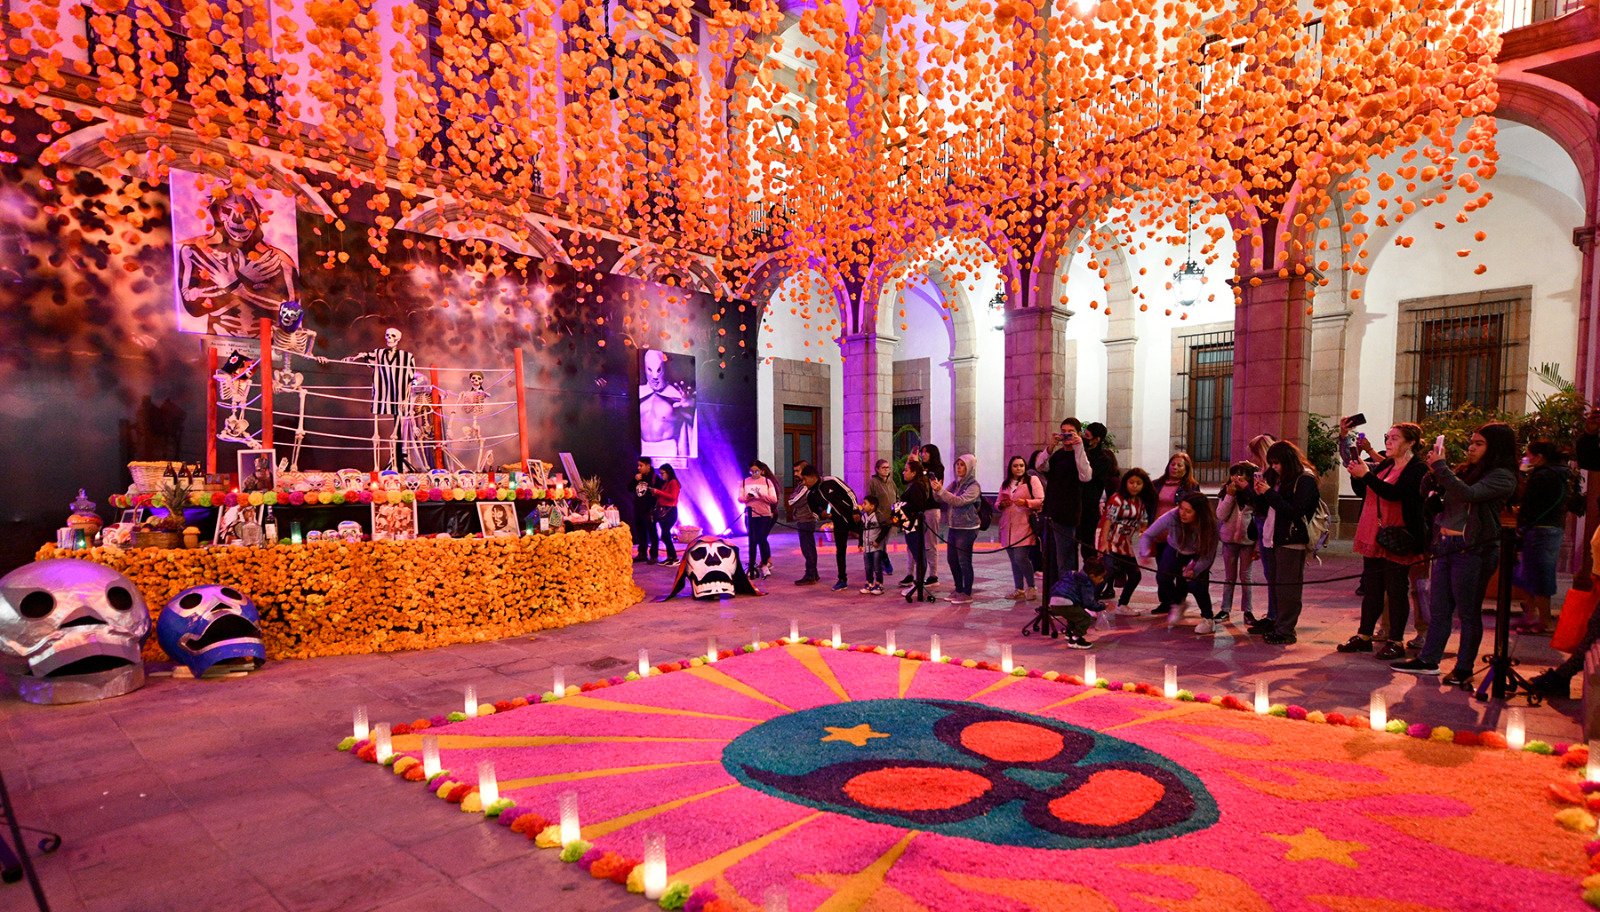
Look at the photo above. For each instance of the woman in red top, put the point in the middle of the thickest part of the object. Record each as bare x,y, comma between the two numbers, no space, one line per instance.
1391,497
666,512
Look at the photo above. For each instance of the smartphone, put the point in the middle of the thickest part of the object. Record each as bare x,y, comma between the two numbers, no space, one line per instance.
1358,419
1438,442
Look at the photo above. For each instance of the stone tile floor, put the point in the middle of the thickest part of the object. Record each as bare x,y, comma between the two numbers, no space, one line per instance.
206,795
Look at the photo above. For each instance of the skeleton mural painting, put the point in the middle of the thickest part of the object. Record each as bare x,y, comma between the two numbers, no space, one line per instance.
236,265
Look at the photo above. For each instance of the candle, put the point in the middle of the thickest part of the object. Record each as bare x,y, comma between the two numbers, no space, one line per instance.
655,865
1516,729
361,729
1378,712
382,744
837,642
934,652
488,786
888,641
644,663
1171,687
1592,773
570,831
297,535
1005,658
1262,703
470,704
711,649
559,685
794,630
755,638
1089,676
430,756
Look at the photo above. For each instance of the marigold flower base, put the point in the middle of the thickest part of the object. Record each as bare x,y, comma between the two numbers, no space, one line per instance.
336,598
854,779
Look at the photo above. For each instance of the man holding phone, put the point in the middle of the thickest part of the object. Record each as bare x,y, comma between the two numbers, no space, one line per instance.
1065,466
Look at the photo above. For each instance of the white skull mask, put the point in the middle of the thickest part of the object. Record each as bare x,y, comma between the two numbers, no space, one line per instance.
712,567
65,618
391,337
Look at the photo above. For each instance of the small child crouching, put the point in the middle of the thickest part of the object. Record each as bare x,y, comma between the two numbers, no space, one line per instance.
1072,597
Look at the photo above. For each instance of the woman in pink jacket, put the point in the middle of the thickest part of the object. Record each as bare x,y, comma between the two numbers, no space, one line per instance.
1021,496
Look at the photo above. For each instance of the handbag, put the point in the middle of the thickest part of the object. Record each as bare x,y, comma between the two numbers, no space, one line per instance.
1573,623
1398,540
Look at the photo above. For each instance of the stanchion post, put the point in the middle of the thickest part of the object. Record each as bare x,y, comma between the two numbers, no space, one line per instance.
438,419
265,366
211,407
522,412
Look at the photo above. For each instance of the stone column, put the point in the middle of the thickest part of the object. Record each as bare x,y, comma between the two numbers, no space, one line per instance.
868,404
1121,348
963,405
1587,240
1036,375
1271,359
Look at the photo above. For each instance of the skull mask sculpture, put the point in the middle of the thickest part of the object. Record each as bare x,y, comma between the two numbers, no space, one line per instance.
205,626
71,630
712,569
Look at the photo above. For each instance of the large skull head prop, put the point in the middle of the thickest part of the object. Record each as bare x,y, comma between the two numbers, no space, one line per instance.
71,630
712,565
208,625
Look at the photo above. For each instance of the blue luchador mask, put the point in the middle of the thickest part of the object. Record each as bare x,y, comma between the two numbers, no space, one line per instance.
206,625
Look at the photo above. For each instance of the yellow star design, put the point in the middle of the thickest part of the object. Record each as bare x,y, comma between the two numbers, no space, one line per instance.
858,735
1311,845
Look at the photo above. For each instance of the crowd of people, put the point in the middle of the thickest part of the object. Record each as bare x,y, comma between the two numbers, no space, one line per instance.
1427,531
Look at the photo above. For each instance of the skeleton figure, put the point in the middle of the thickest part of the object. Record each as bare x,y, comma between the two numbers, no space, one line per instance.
232,276
290,336
392,369
71,630
419,420
233,390
472,399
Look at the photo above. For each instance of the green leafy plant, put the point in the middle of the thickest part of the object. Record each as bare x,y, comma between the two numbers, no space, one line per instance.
1322,443
1556,417
175,496
1457,426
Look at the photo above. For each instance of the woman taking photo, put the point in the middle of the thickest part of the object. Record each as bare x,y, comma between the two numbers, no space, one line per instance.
1389,536
760,496
1288,492
1184,545
1021,494
1470,496
962,499
933,473
881,486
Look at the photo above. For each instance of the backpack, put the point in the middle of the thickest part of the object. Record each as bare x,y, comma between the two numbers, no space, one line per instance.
841,501
1317,528
985,513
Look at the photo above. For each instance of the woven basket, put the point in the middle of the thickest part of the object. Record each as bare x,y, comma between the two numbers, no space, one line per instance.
688,535
147,476
146,539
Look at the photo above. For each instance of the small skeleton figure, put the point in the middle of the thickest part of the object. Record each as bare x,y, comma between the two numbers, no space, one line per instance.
233,390
290,336
419,418
392,369
472,399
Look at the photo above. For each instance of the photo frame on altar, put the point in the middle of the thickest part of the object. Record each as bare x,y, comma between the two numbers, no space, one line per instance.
230,520
258,471
132,516
668,420
394,521
498,519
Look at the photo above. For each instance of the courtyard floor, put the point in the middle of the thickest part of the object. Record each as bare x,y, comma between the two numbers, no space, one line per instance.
228,794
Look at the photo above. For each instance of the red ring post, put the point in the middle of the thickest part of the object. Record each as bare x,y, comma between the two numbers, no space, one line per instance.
211,407
265,366
438,419
522,412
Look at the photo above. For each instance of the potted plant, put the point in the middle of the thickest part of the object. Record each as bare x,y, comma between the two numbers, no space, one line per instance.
165,531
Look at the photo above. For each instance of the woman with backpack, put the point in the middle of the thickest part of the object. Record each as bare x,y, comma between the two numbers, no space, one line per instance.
1288,493
1021,495
962,498
1467,530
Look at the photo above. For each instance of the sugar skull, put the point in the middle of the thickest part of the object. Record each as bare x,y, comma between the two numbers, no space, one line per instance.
212,627
71,631
712,569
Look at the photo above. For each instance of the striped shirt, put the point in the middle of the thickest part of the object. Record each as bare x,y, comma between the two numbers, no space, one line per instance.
391,380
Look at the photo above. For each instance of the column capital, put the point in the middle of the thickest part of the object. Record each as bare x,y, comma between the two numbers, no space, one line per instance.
1585,238
867,338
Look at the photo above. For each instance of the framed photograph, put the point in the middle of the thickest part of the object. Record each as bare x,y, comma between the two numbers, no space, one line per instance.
231,521
258,471
667,418
394,521
132,516
498,519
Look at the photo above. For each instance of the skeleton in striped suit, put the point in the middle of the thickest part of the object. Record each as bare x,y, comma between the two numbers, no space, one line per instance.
392,370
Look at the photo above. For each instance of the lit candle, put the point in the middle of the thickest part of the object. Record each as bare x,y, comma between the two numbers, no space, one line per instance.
381,742
488,786
837,642
888,641
570,831
430,756
1593,772
1089,676
933,648
1262,702
297,536
655,865
470,704
361,729
711,649
794,630
1516,729
644,663
1171,688
755,638
1378,712
559,685
1005,658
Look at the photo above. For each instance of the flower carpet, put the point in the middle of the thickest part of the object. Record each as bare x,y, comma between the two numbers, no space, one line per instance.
850,779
